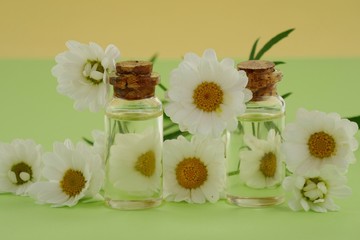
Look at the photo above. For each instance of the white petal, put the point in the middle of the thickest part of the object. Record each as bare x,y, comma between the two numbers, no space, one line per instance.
197,196
305,205
210,54
228,62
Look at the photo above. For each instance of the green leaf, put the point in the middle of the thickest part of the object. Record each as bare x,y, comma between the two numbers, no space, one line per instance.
162,87
154,58
278,62
272,42
253,49
175,135
88,141
286,95
355,119
271,125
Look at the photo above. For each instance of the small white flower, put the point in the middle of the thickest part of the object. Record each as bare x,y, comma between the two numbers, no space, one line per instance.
261,166
315,190
135,163
205,95
194,171
316,139
81,73
20,164
71,173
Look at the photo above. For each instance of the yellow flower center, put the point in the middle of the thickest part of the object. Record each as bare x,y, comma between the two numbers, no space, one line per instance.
208,96
73,182
191,173
23,173
268,164
146,164
321,145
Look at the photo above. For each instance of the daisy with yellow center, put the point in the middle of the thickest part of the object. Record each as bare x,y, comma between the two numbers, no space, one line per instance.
206,95
261,166
135,163
316,139
71,173
194,171
316,189
20,163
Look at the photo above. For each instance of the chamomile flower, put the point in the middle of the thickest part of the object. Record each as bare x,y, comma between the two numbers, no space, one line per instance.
20,163
206,95
81,73
135,163
194,171
316,189
316,139
261,166
71,173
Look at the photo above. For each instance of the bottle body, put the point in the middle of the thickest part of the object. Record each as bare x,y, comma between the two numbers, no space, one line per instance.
134,153
255,168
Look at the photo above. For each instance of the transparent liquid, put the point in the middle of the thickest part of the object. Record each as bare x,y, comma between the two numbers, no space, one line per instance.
133,135
238,191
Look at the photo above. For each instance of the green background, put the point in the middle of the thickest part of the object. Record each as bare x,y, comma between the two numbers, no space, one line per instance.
31,108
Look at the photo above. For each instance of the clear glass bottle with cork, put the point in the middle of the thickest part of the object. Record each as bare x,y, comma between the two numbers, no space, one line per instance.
134,127
255,168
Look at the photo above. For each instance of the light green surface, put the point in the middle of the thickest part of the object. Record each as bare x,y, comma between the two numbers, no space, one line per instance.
31,108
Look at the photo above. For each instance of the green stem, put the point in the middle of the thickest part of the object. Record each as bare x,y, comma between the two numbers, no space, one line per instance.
233,173
253,129
168,126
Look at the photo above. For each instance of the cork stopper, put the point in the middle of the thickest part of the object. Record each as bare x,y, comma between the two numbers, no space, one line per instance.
262,77
134,67
134,80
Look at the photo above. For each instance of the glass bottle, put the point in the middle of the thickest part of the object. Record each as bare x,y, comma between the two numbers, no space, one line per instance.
134,127
255,168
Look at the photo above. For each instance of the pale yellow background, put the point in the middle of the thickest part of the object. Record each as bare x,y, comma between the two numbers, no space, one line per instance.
39,28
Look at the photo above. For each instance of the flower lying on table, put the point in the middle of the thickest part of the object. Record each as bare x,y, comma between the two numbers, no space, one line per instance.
315,189
194,171
71,172
20,166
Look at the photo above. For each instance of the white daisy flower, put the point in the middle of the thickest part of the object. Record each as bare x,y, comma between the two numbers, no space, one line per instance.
81,73
20,164
316,139
261,166
135,163
315,190
205,95
194,171
72,172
